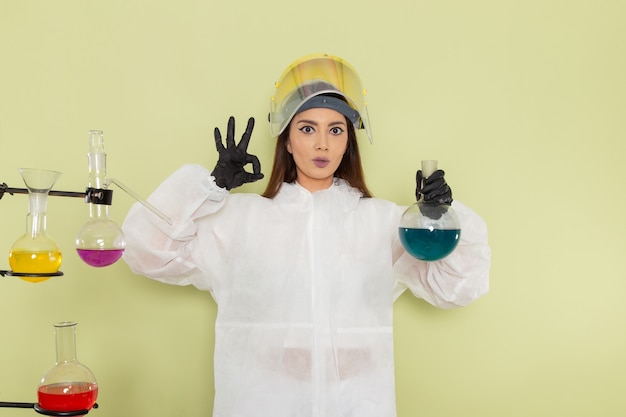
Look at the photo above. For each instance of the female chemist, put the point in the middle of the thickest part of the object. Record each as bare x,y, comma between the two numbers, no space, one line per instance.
305,275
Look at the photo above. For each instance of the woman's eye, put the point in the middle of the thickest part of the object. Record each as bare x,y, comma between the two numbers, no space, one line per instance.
336,131
306,129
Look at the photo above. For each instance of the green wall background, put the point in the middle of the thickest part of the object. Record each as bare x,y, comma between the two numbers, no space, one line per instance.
522,102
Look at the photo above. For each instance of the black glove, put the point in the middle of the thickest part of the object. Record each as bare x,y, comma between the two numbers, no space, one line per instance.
433,189
229,171
435,192
3,188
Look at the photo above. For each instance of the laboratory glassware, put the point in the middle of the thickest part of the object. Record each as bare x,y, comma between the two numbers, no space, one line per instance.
429,231
35,256
100,242
69,385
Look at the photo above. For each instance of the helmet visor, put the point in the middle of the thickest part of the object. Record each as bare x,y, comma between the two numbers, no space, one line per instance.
312,76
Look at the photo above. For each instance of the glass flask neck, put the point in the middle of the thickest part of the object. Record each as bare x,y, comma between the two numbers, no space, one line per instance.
65,342
97,159
36,218
39,183
97,172
428,167
98,211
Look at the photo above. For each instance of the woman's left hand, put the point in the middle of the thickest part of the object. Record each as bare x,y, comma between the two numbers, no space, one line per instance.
433,189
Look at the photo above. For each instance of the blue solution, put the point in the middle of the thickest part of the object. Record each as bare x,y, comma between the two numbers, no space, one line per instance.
429,245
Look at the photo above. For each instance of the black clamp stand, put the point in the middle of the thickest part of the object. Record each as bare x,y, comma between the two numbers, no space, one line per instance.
99,196
91,195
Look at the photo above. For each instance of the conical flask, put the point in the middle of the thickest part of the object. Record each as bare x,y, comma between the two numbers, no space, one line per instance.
100,242
429,231
35,256
68,385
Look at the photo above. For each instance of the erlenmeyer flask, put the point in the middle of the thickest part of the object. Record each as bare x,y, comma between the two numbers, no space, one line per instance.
100,242
68,385
35,256
429,231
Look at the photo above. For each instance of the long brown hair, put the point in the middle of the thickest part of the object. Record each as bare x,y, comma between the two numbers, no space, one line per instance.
284,167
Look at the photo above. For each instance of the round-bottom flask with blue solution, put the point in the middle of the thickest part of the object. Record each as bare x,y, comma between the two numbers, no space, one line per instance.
429,231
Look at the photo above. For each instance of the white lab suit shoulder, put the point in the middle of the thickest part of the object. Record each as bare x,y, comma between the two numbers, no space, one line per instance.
166,252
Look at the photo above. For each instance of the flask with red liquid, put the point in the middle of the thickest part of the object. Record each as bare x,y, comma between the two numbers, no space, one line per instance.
69,385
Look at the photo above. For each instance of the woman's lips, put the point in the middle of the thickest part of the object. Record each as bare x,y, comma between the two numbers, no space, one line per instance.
321,162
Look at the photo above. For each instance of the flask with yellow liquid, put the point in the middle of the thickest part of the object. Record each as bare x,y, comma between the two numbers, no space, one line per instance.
35,256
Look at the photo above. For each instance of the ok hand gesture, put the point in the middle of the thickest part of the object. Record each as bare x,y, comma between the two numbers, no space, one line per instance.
229,171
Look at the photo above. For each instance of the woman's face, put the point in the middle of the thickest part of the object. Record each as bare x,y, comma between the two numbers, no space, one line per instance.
317,141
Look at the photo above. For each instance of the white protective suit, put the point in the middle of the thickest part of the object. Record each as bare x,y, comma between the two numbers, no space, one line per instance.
304,285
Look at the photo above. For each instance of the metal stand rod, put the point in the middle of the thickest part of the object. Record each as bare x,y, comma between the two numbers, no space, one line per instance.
6,189
16,405
40,410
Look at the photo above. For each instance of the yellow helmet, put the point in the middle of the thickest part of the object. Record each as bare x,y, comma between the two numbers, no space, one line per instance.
312,76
